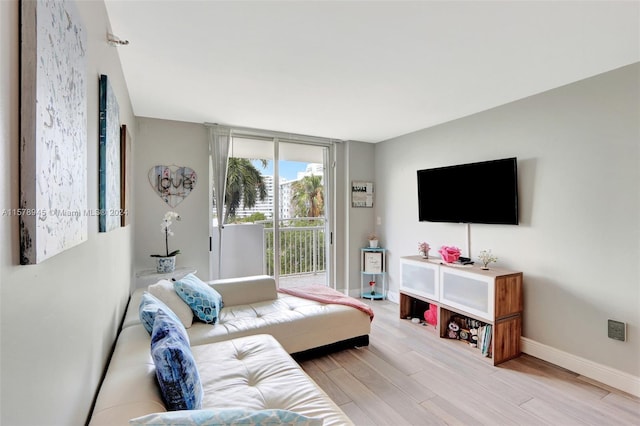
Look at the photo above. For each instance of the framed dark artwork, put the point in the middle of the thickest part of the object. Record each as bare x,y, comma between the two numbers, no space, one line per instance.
109,158
125,175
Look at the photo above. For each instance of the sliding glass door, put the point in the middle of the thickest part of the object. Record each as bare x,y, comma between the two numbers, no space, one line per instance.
303,232
279,211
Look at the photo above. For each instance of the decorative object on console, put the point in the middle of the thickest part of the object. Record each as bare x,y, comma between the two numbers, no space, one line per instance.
172,183
373,240
53,130
486,257
464,334
431,315
167,262
473,337
423,249
449,253
453,329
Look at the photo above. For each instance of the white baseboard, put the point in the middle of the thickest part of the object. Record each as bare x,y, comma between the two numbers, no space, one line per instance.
601,373
393,296
354,292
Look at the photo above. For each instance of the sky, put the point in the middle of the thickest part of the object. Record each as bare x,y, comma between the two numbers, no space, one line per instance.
288,169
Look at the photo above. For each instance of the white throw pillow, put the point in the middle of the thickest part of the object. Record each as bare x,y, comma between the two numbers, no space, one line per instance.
164,291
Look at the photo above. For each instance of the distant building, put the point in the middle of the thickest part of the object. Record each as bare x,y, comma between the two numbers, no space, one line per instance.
286,194
265,206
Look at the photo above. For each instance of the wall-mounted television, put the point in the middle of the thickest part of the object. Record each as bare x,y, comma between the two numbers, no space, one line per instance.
484,192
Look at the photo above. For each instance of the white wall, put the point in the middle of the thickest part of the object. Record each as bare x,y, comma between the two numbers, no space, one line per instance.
360,163
163,142
341,229
59,318
579,233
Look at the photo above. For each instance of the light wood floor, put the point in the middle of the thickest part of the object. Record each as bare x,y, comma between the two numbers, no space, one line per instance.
408,375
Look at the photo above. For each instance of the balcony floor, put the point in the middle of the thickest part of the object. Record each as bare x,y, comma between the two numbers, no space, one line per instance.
303,280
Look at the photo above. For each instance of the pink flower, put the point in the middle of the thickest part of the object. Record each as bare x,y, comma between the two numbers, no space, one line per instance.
449,253
423,248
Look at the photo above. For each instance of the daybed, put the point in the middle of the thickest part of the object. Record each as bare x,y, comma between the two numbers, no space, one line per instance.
240,364
253,305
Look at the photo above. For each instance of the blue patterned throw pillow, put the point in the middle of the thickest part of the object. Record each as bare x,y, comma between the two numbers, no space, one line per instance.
176,369
230,416
204,301
149,305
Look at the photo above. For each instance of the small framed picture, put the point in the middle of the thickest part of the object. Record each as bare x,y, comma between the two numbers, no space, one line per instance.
372,262
361,194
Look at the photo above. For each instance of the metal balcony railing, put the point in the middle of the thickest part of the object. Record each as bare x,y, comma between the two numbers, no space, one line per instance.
302,246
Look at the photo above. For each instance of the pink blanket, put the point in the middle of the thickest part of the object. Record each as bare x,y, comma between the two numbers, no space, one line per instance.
323,294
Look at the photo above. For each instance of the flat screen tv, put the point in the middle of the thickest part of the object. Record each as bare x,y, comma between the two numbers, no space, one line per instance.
485,192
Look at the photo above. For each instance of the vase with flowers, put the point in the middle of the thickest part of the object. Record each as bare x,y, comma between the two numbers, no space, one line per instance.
373,240
167,262
372,287
423,249
486,257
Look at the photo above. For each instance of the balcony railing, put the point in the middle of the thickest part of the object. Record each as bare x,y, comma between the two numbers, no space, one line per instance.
302,246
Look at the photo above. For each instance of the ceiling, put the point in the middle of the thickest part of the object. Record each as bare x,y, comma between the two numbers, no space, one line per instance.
360,70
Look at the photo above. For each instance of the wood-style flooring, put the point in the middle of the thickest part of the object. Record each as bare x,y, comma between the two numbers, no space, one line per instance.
409,376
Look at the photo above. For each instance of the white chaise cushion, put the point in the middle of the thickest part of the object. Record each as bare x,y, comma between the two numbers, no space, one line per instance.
256,373
245,290
298,324
130,388
164,291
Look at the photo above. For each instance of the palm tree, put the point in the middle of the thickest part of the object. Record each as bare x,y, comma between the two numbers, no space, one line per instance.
244,184
308,197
